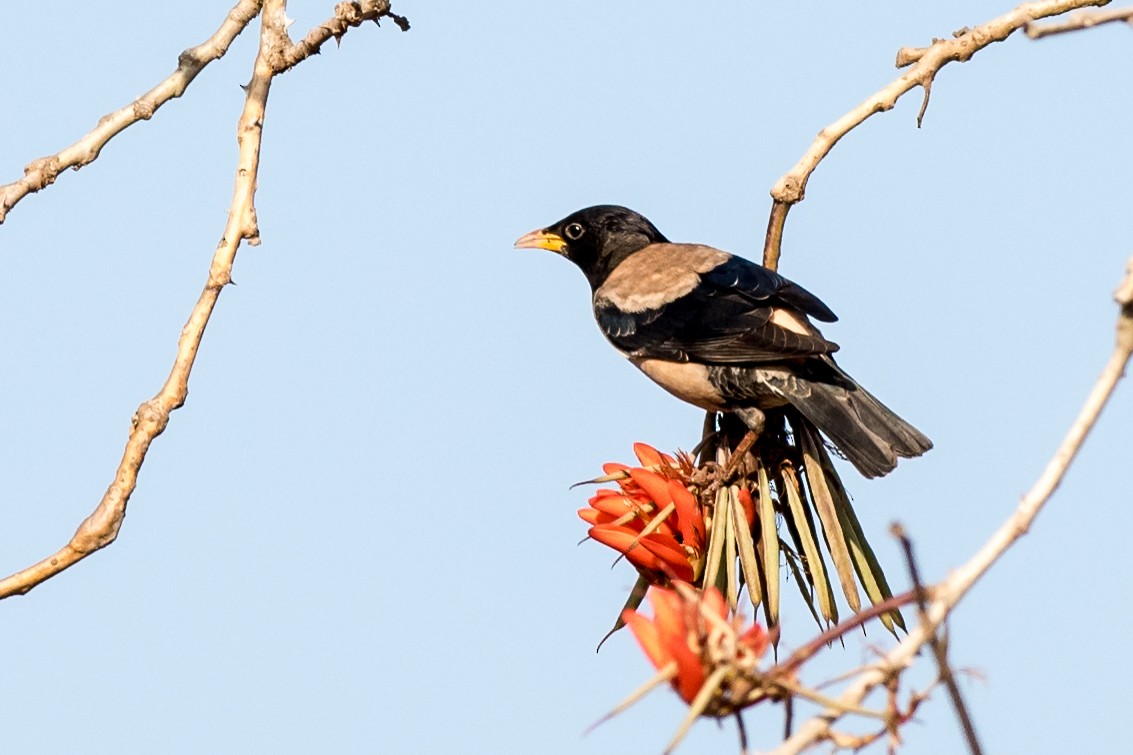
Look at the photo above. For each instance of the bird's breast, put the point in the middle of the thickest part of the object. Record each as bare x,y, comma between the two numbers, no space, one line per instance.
687,381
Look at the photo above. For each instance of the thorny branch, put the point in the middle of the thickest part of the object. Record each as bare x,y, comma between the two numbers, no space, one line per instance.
101,528
923,64
947,594
346,16
41,173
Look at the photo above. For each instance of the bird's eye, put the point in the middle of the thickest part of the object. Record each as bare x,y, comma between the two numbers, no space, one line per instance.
573,231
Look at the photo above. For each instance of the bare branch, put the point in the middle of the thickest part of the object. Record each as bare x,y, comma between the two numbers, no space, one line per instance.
938,645
101,528
948,593
346,15
838,632
925,62
41,173
1079,21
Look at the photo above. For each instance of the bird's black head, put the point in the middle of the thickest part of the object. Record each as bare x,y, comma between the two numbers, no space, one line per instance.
596,239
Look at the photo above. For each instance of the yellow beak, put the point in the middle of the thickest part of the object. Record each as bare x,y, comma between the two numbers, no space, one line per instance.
543,239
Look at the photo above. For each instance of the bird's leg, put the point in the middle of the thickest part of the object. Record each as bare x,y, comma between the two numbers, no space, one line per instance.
739,453
754,421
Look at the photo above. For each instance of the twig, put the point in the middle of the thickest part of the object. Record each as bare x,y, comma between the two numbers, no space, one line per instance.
346,15
741,730
948,594
938,646
804,653
773,239
1079,21
797,690
664,675
925,63
101,528
41,173
788,717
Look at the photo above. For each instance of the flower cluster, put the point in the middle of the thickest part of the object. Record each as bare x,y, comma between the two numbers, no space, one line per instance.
691,640
651,518
692,531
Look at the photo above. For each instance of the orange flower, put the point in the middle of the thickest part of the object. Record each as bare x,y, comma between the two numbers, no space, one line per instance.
691,637
652,518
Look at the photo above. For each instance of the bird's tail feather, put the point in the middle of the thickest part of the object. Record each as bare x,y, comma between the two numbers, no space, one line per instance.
868,433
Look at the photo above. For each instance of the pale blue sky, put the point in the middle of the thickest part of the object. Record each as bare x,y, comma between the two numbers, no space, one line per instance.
357,536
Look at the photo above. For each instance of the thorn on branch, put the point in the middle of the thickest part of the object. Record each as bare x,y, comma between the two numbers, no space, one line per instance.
347,15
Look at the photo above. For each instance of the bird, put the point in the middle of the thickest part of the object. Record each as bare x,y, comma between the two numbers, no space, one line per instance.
724,333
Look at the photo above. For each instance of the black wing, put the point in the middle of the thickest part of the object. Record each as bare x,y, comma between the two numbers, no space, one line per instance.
738,313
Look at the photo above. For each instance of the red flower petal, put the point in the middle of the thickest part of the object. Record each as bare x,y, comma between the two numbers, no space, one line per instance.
612,466
714,602
590,516
654,485
689,521
657,553
648,637
614,505
647,455
756,638
668,550
749,506
670,614
621,539
617,506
